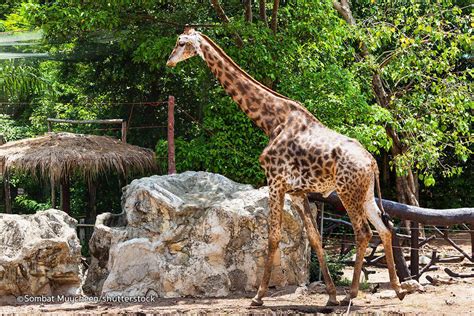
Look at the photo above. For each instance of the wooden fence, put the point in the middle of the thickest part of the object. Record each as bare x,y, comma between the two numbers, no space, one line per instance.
445,218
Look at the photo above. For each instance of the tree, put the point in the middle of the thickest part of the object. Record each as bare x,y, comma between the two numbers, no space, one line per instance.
414,53
107,53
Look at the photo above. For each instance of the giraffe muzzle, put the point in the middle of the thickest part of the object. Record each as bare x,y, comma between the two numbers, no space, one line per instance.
170,63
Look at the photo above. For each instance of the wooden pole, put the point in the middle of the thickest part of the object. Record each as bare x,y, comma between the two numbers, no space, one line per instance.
8,199
171,153
92,208
472,241
414,251
53,193
110,121
65,195
124,131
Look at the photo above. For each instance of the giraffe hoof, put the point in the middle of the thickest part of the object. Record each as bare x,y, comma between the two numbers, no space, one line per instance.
256,302
346,301
333,302
401,294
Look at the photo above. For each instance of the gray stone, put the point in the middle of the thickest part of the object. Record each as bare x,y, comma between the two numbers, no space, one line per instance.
387,294
192,234
301,291
412,286
40,254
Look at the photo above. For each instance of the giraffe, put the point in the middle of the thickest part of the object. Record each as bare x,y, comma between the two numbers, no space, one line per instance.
302,156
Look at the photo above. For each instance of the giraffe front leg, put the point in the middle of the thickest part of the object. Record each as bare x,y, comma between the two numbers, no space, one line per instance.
274,236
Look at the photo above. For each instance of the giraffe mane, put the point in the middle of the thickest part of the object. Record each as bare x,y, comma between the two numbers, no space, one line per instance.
246,75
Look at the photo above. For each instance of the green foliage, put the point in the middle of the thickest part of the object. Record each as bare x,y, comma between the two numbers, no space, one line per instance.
11,130
335,265
19,80
26,205
425,50
12,16
108,53
346,282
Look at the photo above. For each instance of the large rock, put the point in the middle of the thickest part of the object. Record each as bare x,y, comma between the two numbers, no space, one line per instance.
40,254
192,234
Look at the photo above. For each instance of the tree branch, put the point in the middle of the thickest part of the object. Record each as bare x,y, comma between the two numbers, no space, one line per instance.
344,9
223,17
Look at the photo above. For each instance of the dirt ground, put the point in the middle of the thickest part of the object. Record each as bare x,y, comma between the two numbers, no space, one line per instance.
377,298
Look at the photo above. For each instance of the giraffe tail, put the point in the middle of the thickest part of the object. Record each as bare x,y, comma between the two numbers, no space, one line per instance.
385,216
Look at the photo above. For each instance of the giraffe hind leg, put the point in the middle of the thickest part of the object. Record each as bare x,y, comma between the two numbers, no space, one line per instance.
363,234
302,206
373,213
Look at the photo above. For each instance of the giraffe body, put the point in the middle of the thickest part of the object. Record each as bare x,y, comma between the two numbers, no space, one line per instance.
302,156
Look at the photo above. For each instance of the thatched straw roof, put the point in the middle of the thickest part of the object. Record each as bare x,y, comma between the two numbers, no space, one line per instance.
56,155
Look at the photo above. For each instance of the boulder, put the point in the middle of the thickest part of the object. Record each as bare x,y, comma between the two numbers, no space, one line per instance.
192,234
40,254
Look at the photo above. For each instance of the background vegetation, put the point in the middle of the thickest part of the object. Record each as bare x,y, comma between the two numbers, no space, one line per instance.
397,76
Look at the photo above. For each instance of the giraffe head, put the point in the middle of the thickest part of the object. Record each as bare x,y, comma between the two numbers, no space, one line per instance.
187,46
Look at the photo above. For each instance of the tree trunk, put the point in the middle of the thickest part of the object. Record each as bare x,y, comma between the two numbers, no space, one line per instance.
248,10
263,12
274,25
406,186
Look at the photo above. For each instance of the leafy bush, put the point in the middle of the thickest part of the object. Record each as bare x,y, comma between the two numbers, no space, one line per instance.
26,205
335,265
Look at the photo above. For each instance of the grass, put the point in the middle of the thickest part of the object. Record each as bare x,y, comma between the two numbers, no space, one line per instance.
363,286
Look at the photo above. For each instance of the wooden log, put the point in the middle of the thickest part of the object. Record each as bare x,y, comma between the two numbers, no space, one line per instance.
453,244
400,264
426,216
453,274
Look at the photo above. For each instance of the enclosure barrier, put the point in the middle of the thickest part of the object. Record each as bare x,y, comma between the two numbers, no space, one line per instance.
425,216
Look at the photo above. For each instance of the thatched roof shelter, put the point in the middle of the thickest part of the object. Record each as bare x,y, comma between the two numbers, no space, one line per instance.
55,156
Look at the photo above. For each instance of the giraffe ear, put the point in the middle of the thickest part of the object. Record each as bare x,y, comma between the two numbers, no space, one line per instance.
188,30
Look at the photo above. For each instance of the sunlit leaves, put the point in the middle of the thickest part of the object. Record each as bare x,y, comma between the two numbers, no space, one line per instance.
425,60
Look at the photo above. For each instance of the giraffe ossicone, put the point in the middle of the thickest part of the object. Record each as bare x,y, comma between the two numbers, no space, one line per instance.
302,156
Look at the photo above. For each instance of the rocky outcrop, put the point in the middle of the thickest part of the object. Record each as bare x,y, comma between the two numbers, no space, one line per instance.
192,234
40,254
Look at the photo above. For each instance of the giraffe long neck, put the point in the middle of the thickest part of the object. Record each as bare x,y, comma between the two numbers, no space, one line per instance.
262,105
